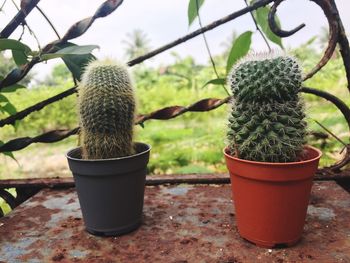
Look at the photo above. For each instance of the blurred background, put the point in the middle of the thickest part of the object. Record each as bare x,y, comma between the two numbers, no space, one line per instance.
193,142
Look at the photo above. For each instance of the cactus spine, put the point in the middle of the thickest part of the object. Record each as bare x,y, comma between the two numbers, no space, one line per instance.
267,121
107,111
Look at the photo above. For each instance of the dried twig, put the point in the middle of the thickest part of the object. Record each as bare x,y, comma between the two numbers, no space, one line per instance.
26,8
74,31
48,21
258,28
208,49
25,24
211,26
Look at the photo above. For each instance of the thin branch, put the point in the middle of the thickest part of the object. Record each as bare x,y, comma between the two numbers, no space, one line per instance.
19,18
258,28
22,33
211,26
24,23
49,21
341,105
146,56
162,114
24,113
3,4
76,30
208,49
331,133
56,32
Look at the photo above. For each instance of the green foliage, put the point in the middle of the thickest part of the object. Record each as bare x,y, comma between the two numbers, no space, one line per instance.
58,115
76,61
220,81
184,71
59,76
12,88
6,107
187,143
61,73
20,51
239,49
267,121
107,111
137,44
69,50
13,45
261,17
6,65
9,154
192,10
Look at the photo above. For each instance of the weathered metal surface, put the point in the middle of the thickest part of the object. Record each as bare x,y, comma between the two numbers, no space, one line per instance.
66,182
182,223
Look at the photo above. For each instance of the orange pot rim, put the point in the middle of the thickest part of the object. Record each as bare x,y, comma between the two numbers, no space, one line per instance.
319,155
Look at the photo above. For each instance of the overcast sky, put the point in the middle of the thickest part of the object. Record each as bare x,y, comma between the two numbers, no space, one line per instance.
164,21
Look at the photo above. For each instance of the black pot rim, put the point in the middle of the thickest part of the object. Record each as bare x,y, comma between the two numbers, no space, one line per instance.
70,152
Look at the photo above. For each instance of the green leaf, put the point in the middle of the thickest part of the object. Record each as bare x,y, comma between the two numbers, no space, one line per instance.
14,45
9,154
19,50
77,63
3,98
239,49
193,10
12,88
70,50
16,125
9,108
261,16
19,57
220,81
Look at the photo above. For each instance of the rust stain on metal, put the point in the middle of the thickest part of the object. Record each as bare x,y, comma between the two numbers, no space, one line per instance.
183,223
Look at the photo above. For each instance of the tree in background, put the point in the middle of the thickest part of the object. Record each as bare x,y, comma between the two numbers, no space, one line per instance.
185,71
59,75
137,44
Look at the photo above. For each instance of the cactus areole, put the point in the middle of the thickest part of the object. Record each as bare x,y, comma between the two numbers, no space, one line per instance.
109,169
106,110
267,121
271,168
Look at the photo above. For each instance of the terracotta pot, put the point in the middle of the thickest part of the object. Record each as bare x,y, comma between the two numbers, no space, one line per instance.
271,199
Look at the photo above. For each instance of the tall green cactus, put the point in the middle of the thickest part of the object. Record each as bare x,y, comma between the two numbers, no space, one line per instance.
107,111
267,121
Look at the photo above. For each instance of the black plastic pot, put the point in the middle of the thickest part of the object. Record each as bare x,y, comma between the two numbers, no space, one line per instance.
111,191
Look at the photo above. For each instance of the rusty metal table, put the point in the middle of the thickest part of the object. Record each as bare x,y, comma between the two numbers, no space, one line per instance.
182,223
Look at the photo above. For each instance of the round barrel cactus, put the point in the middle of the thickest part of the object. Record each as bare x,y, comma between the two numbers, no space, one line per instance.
107,111
267,121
